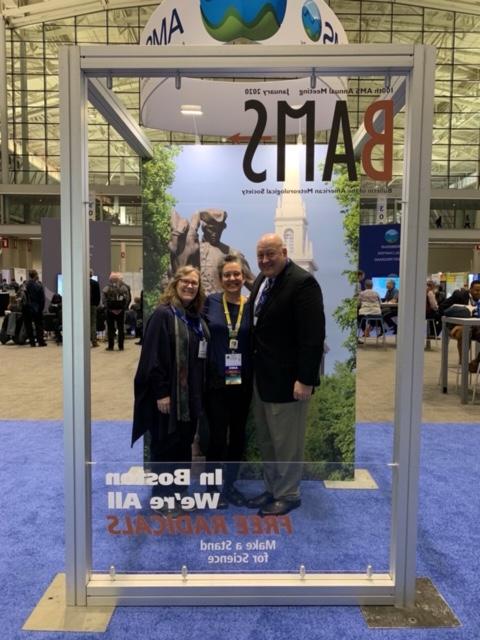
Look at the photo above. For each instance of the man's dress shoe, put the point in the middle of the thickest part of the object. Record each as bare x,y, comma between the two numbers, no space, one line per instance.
259,501
279,507
234,496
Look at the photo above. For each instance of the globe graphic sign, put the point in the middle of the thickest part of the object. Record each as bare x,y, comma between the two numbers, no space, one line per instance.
392,236
312,20
227,20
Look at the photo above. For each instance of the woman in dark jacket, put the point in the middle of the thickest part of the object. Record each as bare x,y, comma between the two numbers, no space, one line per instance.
229,388
169,381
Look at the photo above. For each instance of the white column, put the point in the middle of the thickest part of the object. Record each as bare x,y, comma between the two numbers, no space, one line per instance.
4,218
76,339
411,323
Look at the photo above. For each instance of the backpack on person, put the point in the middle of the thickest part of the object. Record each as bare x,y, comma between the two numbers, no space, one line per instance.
116,297
21,299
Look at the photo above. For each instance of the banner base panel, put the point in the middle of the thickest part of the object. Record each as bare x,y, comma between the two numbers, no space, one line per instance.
240,589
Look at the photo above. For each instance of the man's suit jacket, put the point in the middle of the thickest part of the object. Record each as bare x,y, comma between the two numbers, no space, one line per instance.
289,334
459,296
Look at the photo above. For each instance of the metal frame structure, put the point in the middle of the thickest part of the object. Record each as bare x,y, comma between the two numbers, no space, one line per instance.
78,67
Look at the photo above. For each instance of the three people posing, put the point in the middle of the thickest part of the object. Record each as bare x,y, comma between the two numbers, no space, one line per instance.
274,342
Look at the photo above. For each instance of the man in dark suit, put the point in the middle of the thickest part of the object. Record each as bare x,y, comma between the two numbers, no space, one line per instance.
469,303
288,335
94,302
33,309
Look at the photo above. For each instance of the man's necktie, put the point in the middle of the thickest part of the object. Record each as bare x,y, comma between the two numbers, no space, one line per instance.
264,295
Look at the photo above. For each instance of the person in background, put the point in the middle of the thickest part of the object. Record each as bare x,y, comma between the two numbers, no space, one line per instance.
33,309
431,311
169,383
368,305
139,328
360,284
467,303
115,297
229,385
55,307
391,297
94,303
440,294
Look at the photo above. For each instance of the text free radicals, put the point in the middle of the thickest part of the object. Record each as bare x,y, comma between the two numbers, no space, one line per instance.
195,525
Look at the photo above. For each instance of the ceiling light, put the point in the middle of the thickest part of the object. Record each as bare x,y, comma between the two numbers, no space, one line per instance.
191,110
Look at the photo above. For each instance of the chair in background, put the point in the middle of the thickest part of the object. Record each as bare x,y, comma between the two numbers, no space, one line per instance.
431,331
376,323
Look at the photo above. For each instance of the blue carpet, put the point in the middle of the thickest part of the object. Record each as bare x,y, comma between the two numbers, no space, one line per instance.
343,530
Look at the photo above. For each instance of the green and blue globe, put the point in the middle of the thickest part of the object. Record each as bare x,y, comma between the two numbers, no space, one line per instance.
392,236
312,20
226,20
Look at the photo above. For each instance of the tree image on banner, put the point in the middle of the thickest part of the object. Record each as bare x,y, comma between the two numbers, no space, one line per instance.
333,404
157,177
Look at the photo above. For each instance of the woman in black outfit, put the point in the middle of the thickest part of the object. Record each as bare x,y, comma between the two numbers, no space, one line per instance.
169,383
229,385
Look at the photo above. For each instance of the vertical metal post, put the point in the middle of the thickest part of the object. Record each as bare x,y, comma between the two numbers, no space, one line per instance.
76,341
3,117
409,366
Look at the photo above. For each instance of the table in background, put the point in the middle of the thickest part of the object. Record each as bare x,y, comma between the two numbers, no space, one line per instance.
467,324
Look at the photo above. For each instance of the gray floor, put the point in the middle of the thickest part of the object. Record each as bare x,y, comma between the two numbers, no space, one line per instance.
34,378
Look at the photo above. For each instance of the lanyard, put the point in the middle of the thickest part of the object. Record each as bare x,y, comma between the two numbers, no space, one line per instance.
233,331
198,330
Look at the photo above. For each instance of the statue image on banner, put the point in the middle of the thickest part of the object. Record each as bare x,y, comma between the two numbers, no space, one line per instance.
188,248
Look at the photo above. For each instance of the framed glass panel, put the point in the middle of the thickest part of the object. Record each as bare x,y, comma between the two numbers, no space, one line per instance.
124,17
375,36
465,136
123,35
466,72
467,56
95,35
464,152
141,528
60,31
468,23
443,71
145,13
345,6
98,19
406,37
435,20
467,41
407,21
53,131
440,152
53,148
439,39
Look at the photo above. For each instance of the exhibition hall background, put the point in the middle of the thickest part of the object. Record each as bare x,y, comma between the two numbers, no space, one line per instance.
29,113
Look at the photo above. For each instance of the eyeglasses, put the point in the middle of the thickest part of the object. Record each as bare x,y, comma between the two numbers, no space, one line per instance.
189,283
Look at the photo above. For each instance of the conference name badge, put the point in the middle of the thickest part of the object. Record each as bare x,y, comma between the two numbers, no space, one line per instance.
202,349
233,368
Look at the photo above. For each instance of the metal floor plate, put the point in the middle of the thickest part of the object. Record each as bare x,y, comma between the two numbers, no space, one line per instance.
430,611
51,613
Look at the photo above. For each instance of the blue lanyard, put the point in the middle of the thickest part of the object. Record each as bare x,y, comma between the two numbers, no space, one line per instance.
189,322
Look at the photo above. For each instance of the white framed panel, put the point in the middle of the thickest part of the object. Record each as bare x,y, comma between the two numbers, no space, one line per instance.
417,64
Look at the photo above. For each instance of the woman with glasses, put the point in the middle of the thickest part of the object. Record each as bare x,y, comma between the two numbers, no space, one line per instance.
169,383
229,386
